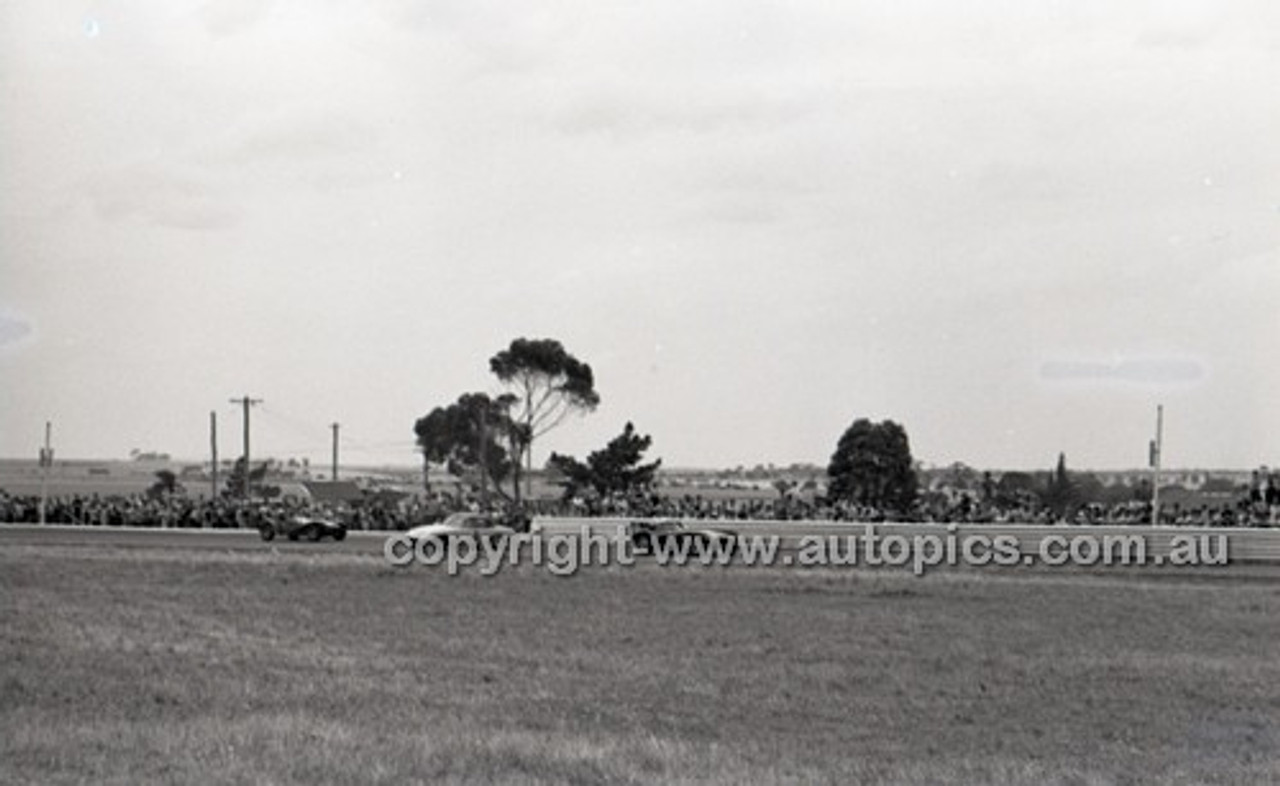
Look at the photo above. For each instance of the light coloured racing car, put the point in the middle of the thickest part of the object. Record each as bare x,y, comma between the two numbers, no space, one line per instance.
488,526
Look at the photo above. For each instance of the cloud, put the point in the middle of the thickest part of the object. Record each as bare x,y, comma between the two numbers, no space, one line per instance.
13,330
1186,24
227,17
303,134
196,187
631,107
163,197
1145,371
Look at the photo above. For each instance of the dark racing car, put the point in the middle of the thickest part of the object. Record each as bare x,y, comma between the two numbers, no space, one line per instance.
647,535
311,528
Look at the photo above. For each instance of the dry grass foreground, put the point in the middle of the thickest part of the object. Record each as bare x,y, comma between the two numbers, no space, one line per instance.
145,666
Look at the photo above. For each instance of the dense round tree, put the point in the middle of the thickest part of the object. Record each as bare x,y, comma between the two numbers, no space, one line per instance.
872,465
469,436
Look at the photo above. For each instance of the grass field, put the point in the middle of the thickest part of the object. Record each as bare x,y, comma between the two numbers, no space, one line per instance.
141,665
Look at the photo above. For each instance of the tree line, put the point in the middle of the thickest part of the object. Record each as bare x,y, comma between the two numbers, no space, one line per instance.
491,438
487,440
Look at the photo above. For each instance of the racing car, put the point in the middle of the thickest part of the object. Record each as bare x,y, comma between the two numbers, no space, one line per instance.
312,528
488,526
646,536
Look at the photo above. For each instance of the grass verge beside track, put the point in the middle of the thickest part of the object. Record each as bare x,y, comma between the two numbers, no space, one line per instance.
137,665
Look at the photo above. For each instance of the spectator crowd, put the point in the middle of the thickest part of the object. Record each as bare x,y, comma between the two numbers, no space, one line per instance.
181,511
966,508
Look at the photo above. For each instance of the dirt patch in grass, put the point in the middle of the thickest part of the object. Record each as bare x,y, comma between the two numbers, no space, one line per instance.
137,666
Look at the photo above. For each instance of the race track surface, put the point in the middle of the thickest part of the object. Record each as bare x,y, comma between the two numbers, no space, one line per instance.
1254,553
216,539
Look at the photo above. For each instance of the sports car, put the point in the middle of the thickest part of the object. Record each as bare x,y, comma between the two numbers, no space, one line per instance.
465,524
648,535
312,528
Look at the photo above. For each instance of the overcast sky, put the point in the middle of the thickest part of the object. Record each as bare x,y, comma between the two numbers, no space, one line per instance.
1013,227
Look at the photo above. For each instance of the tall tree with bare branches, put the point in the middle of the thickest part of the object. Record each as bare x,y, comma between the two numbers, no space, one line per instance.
548,383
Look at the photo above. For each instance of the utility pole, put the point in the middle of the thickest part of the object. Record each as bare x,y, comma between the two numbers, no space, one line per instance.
46,461
484,458
246,402
213,446
334,475
1156,447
